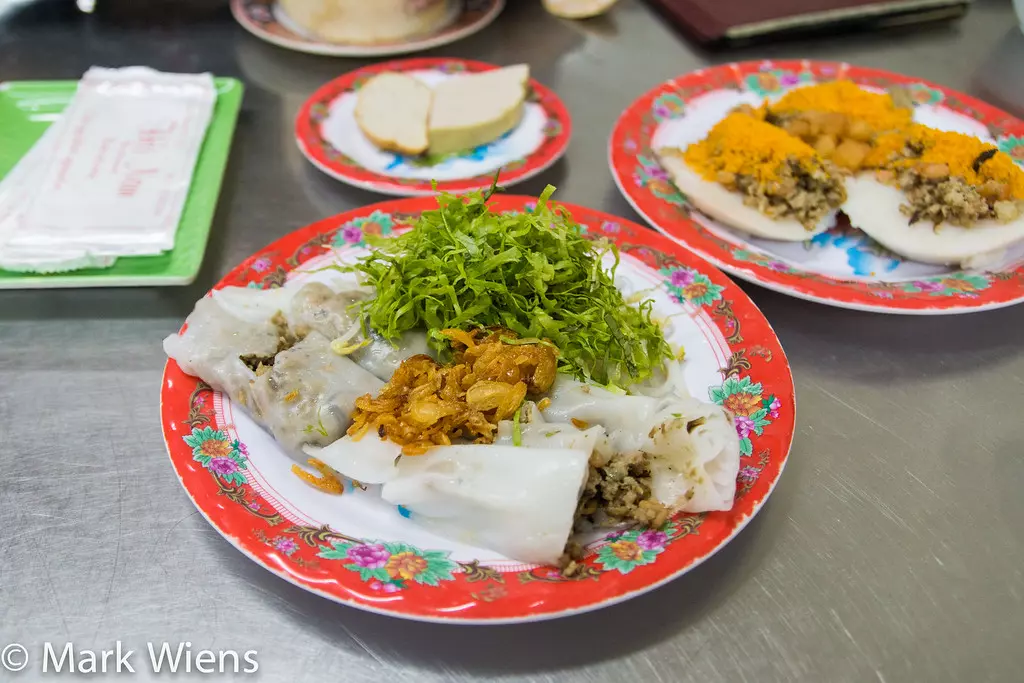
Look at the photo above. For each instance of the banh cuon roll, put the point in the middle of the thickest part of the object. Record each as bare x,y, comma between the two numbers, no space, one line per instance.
484,373
939,197
758,178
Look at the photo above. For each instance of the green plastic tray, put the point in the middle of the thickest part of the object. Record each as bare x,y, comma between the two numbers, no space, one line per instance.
27,108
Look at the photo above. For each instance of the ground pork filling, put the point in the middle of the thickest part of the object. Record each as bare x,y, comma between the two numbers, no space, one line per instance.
286,339
618,491
935,196
806,195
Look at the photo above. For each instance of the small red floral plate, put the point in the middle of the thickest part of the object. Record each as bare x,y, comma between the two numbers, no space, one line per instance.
328,135
843,266
265,20
357,551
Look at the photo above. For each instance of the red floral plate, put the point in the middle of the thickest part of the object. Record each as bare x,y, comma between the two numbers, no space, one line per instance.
842,267
328,135
357,551
265,20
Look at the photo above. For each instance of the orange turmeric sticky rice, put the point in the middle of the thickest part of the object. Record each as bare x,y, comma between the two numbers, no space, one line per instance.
777,173
949,177
427,404
840,120
877,110
965,156
742,145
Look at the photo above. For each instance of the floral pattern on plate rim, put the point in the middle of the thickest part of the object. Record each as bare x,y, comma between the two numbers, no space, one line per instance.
647,187
322,154
425,581
223,457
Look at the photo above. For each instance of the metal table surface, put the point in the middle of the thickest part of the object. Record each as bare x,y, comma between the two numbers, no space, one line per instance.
891,550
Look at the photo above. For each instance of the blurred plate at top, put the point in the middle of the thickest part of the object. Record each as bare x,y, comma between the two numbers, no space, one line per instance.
266,20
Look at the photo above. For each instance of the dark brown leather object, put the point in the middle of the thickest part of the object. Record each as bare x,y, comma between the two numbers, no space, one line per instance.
730,21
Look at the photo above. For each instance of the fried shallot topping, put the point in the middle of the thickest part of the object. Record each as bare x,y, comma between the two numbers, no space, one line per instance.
427,404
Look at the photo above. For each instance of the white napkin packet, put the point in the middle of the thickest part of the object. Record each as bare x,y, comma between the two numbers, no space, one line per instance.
111,176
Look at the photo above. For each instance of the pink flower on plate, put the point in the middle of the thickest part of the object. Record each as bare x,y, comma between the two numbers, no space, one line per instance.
777,266
370,555
242,448
748,474
652,540
223,466
744,425
610,226
376,585
773,407
286,546
682,278
352,233
261,265
662,112
926,286
391,588
656,173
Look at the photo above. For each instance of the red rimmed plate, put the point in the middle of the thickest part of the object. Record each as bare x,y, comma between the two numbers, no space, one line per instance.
328,135
265,20
842,267
351,550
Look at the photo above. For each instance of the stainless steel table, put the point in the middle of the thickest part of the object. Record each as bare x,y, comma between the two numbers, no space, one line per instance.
892,549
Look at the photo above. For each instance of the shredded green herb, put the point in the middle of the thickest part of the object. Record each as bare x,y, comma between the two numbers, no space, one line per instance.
465,266
517,429
319,429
